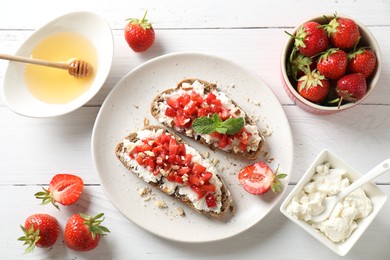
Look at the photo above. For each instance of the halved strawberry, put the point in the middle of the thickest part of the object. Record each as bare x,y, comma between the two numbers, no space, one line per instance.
64,189
258,178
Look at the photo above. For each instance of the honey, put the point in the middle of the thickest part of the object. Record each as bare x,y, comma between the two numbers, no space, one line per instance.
57,86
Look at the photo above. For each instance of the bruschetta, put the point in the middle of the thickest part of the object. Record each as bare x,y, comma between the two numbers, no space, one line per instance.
179,107
162,159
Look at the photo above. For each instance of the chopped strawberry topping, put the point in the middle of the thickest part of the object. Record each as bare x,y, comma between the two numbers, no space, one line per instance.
170,112
164,155
191,105
210,201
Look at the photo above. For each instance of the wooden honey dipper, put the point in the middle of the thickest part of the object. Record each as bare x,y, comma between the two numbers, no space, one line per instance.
76,68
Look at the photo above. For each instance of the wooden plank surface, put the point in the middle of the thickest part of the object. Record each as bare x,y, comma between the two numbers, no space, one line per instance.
251,34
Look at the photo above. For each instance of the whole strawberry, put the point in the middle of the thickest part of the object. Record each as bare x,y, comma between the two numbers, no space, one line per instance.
311,39
351,87
40,230
139,34
313,87
362,61
83,232
343,32
333,63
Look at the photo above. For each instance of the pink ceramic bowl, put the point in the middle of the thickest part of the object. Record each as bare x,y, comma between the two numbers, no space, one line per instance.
367,40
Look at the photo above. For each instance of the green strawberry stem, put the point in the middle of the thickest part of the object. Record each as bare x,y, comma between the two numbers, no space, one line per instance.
30,238
334,101
93,224
144,23
299,38
297,62
326,18
356,52
277,186
47,197
331,27
143,18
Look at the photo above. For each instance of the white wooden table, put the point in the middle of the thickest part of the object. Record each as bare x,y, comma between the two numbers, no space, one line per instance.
252,34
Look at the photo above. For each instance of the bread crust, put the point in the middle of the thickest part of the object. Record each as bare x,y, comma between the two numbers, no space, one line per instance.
208,87
226,199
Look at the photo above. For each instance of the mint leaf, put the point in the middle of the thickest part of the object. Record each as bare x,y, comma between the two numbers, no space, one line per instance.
221,129
234,125
207,125
217,119
204,125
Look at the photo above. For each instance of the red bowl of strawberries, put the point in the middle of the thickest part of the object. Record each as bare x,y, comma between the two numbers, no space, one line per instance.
330,63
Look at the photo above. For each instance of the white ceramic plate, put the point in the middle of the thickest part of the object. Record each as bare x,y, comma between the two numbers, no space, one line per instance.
93,27
126,108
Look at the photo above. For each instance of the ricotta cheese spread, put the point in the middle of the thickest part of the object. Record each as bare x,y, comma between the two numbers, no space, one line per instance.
344,217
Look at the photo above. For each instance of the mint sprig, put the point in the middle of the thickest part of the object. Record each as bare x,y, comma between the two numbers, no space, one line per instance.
208,125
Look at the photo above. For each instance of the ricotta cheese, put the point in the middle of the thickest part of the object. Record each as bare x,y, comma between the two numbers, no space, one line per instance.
343,219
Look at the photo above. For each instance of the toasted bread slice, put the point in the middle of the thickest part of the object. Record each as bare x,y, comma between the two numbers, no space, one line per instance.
247,144
165,174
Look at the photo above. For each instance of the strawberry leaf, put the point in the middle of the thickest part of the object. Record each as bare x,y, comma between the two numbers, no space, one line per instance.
277,186
47,197
94,224
30,238
144,23
281,176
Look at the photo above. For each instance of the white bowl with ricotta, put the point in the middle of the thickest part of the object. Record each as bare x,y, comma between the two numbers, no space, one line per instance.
327,176
94,31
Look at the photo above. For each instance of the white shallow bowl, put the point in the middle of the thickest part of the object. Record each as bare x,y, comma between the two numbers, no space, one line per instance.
15,93
376,195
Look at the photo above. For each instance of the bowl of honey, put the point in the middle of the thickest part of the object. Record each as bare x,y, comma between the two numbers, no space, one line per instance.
41,91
